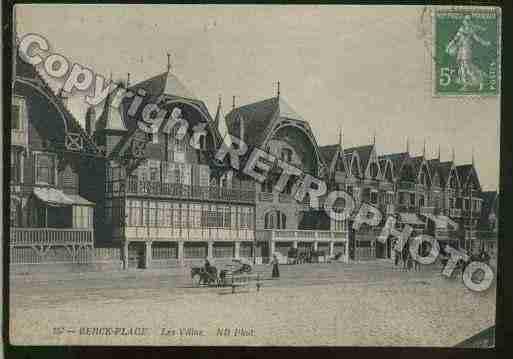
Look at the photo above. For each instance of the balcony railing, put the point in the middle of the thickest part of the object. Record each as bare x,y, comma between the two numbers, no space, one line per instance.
50,236
427,210
299,235
182,191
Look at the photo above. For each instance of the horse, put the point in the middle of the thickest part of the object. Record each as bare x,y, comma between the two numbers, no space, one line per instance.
205,277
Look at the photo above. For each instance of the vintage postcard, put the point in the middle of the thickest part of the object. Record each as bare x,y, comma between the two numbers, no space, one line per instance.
254,175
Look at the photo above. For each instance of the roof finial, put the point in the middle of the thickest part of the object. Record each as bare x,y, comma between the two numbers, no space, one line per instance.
374,137
453,155
110,76
424,149
407,144
219,100
472,155
168,62
278,90
128,80
438,152
233,102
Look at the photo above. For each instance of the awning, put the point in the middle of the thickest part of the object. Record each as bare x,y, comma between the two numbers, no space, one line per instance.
78,200
56,198
411,218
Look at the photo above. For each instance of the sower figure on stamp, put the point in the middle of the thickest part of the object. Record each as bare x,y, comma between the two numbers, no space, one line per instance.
469,74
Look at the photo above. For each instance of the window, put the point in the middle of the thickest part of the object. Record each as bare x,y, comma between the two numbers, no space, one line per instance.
134,213
340,226
421,201
412,199
177,144
373,169
15,117
275,220
154,171
15,218
45,168
16,167
286,155
204,176
267,186
82,217
374,197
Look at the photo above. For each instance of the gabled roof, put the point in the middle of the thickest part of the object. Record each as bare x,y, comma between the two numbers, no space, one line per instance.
328,152
111,117
256,118
364,153
165,83
397,160
27,72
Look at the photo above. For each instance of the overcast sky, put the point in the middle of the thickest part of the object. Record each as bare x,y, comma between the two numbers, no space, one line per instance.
366,69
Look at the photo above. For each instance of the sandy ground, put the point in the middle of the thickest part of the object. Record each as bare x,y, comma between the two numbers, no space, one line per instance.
369,304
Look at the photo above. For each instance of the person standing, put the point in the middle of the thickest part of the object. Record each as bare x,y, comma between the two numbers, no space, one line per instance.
276,269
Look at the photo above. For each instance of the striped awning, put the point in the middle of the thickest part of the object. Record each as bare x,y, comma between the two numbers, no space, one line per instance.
411,218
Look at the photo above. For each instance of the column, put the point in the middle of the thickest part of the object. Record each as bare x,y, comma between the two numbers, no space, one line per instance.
271,248
147,263
294,244
125,255
315,246
179,253
237,250
332,248
210,250
347,249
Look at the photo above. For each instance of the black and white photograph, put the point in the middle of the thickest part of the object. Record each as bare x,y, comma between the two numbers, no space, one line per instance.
253,175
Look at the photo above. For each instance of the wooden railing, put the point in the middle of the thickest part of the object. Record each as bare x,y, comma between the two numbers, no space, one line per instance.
299,235
50,236
182,191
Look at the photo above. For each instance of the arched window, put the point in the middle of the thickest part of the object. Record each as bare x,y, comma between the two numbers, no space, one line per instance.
388,174
275,220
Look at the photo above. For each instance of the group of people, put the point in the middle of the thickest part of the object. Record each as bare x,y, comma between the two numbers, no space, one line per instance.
403,255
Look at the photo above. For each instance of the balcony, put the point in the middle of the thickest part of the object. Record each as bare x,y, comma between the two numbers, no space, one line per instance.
50,236
181,191
299,235
427,210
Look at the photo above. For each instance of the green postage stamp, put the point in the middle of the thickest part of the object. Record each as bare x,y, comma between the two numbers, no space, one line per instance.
466,51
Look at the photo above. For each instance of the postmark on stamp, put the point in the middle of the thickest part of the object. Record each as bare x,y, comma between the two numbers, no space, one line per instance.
466,50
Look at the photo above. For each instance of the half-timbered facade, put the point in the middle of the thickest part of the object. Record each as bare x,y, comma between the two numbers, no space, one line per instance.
51,212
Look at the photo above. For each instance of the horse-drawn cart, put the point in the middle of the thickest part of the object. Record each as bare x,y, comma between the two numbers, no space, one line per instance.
210,276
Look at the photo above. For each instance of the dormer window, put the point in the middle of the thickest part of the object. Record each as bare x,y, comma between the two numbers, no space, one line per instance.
45,168
373,170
